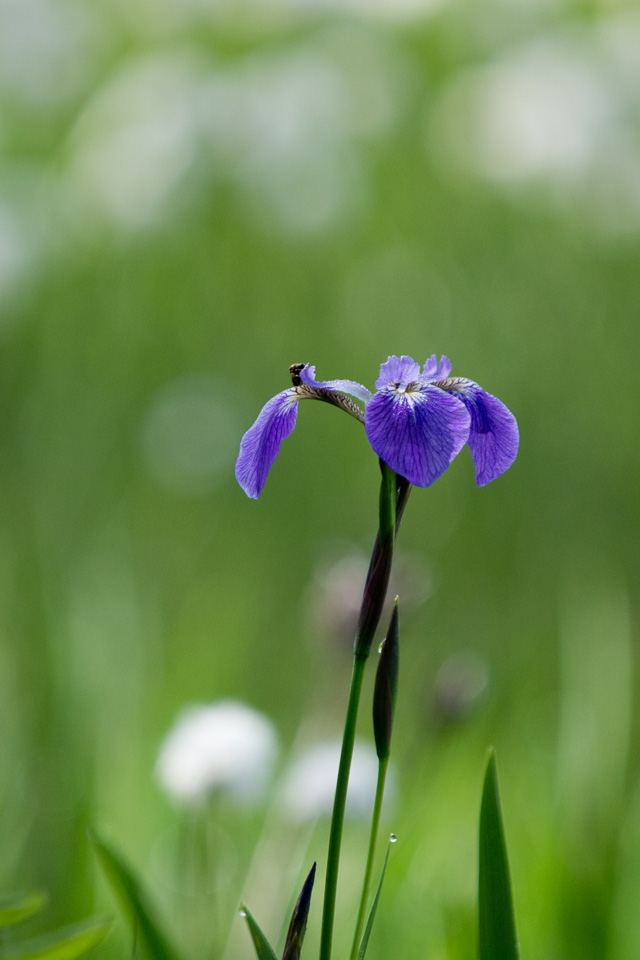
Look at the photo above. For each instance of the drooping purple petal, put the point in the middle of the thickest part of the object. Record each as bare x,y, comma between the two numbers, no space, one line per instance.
417,433
308,376
494,436
434,370
398,371
261,443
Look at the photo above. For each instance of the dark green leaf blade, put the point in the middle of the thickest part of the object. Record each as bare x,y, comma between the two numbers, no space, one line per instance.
128,892
369,927
298,925
497,937
68,943
15,909
260,942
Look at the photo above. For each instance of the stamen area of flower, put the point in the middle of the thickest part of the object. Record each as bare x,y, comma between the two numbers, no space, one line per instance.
406,388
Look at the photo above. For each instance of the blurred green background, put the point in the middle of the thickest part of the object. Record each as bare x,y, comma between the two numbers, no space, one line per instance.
195,194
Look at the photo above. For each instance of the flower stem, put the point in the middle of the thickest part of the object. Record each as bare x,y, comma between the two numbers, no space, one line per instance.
337,819
373,837
372,602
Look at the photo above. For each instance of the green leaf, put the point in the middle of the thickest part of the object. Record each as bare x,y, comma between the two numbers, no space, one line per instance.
497,938
369,927
264,950
64,944
15,909
129,894
298,925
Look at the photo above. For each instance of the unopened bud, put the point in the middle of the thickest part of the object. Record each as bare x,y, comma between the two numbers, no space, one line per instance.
375,592
386,688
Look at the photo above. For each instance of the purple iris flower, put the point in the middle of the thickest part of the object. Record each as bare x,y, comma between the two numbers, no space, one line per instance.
416,421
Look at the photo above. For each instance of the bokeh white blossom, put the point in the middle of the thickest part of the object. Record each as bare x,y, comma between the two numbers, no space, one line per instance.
136,139
309,784
284,128
557,118
164,14
48,50
287,127
225,746
399,11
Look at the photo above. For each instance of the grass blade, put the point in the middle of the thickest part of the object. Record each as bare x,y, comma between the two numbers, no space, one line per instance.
15,909
497,938
298,925
68,943
367,930
128,892
260,942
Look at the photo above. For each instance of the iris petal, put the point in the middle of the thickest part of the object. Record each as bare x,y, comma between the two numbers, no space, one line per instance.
434,370
308,376
399,371
417,433
494,436
261,443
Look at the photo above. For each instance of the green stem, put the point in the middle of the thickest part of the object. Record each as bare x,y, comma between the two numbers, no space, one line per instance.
337,819
387,514
373,837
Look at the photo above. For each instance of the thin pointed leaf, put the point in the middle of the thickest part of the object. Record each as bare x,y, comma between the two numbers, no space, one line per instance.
15,909
369,927
497,937
264,950
128,892
298,925
68,943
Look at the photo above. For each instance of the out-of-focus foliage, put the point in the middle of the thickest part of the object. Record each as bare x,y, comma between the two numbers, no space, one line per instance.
126,889
70,943
195,194
18,908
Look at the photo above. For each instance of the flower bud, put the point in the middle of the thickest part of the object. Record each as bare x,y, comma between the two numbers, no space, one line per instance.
298,925
375,592
386,688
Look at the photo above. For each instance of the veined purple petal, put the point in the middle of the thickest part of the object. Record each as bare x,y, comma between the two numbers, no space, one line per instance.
417,433
261,443
434,370
308,376
494,436
398,371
